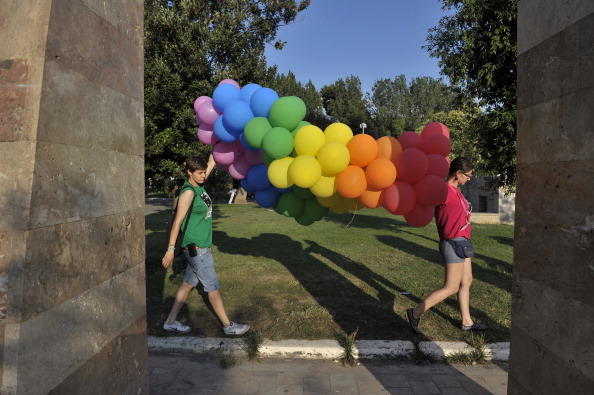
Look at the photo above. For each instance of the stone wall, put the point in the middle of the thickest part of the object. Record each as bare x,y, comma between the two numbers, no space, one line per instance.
552,351
72,289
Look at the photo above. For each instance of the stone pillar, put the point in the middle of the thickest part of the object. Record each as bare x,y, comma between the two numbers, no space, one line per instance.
552,347
72,288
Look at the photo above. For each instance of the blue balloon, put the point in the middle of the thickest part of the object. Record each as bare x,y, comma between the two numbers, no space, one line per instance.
245,144
237,114
222,132
247,186
223,95
267,197
261,101
247,92
258,177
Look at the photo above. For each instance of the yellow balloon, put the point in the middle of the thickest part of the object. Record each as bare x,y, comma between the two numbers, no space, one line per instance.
278,172
330,201
325,187
338,132
308,140
340,208
305,171
333,157
352,204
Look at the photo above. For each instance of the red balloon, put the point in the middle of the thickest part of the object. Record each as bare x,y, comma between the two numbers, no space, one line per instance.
411,165
434,128
438,165
380,173
431,190
351,182
419,216
437,144
372,198
399,198
410,140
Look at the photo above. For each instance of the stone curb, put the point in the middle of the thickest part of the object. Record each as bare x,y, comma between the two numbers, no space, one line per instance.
324,349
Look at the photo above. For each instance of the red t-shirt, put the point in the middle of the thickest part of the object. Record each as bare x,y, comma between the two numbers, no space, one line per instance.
452,217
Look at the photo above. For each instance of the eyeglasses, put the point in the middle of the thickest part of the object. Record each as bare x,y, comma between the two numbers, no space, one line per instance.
468,175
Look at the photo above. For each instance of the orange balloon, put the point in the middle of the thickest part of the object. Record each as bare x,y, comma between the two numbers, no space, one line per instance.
363,149
372,198
388,147
351,182
380,173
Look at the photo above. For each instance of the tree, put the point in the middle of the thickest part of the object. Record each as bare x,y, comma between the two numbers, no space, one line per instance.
191,45
476,48
397,106
343,101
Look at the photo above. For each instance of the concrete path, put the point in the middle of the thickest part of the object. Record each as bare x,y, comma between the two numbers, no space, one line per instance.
175,373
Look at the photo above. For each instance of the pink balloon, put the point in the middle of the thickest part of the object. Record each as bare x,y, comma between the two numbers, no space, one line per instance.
410,140
239,168
198,102
222,167
229,81
419,216
399,198
431,190
434,128
437,144
438,165
207,113
224,153
254,157
206,136
411,165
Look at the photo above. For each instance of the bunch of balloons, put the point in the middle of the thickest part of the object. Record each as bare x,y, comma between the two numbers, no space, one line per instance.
302,171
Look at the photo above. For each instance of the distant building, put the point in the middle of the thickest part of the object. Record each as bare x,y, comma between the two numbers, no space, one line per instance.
489,205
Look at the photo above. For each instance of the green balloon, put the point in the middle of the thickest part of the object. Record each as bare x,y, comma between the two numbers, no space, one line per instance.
255,130
278,143
267,159
302,193
299,126
289,205
304,220
287,112
314,210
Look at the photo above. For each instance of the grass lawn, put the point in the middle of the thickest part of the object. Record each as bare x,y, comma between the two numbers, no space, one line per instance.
346,272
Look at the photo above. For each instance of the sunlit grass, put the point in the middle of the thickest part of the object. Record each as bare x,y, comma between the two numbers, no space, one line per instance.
309,282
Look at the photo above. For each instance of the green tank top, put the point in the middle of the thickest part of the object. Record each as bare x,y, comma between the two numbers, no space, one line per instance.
199,230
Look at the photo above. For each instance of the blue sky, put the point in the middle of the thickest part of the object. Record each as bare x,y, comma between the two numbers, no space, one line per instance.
370,39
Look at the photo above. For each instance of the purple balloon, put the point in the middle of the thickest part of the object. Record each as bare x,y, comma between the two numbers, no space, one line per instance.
224,153
239,168
229,81
254,157
198,102
206,136
261,101
207,113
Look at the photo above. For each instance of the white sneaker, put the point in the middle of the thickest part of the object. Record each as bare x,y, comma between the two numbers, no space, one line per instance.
236,329
177,326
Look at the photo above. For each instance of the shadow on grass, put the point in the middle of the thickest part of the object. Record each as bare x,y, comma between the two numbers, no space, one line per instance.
350,307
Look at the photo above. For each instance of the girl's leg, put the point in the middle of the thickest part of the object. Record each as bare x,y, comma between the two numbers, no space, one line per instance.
453,278
464,293
180,298
216,301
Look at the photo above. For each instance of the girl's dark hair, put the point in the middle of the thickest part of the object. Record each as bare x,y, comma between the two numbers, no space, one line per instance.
461,164
194,163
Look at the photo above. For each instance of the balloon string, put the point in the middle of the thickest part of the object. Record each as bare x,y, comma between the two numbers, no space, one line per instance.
352,219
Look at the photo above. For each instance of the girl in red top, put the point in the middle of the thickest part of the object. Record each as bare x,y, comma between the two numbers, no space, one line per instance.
452,218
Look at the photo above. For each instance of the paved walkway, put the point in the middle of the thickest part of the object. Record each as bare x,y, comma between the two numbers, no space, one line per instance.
175,373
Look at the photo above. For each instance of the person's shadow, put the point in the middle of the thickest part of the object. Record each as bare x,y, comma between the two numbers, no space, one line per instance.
372,314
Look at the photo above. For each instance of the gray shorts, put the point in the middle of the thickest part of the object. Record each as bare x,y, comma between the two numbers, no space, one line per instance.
447,252
201,269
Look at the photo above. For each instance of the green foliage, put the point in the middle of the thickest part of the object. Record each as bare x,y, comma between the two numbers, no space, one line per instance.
476,48
343,102
253,341
191,45
397,106
347,343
